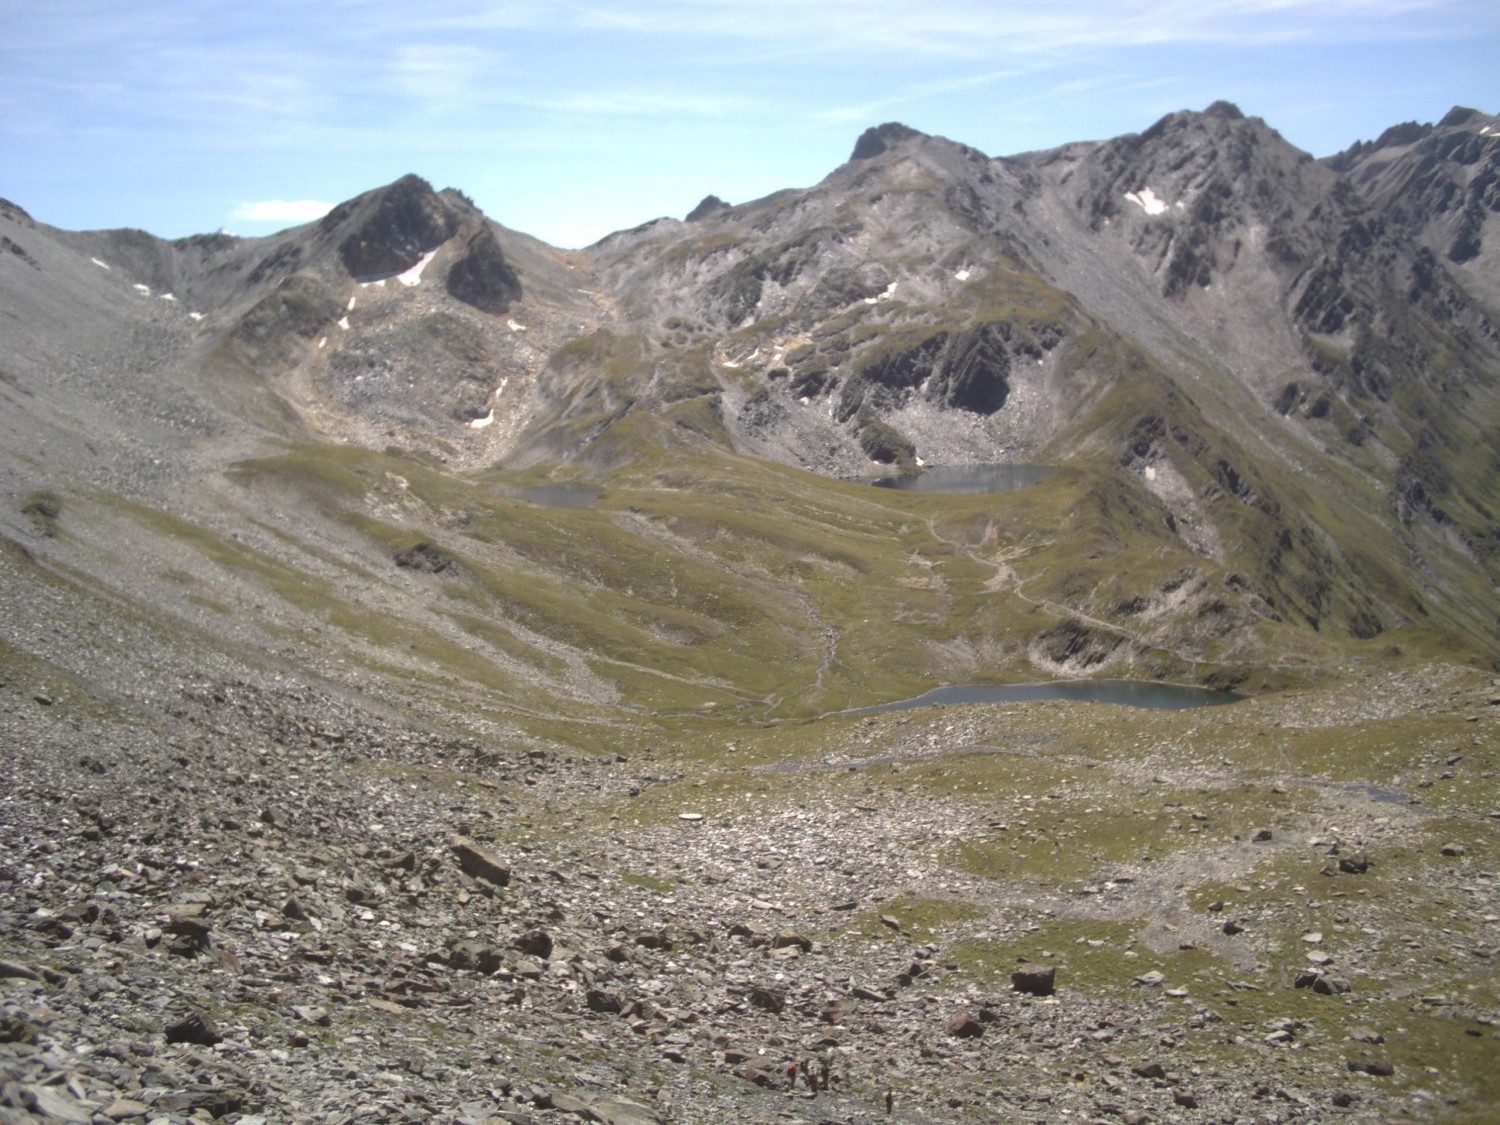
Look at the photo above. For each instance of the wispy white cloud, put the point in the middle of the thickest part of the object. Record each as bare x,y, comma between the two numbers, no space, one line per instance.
913,93
971,28
242,99
281,211
443,75
643,103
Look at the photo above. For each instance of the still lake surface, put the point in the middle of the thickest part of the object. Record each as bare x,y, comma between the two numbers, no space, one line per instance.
557,495
970,478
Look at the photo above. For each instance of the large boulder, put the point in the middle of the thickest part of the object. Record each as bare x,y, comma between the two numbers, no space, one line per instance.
1035,981
477,863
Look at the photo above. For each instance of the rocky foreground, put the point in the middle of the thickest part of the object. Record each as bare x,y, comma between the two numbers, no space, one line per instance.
254,899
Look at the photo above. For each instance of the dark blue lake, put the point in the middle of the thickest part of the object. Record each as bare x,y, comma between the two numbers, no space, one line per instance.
557,495
969,478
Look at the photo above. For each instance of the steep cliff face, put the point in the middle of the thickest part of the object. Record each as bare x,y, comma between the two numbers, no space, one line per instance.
1440,185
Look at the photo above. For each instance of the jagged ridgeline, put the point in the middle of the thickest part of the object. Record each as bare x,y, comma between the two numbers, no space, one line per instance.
447,677
1269,382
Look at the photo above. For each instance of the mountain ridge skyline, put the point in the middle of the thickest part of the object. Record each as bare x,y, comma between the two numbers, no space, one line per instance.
298,212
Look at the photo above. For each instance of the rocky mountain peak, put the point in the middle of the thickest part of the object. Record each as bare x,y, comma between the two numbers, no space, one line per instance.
1457,116
880,138
710,206
1224,111
1440,185
387,231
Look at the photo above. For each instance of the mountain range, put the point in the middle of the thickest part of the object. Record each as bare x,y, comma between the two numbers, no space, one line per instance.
403,522
1274,377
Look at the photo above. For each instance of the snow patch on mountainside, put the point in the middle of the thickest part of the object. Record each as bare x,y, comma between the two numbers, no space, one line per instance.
1148,201
413,276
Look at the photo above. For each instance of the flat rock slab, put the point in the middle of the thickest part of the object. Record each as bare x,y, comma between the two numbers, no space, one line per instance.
477,863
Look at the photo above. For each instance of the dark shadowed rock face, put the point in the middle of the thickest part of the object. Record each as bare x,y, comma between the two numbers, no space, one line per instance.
482,277
878,138
974,374
710,206
406,220
426,559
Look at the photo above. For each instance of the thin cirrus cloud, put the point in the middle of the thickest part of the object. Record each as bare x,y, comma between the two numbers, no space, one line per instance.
644,103
974,27
740,96
281,211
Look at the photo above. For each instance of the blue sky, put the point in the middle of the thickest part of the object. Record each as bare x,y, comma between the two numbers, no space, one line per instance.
569,120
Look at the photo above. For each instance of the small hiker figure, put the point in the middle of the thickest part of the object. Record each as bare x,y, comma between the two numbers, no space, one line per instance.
807,1075
791,1076
890,1100
823,1072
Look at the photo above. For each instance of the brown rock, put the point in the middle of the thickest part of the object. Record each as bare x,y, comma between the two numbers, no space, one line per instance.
965,1025
768,999
1355,863
476,956
535,943
477,863
16,1028
194,1027
1330,985
567,1103
190,936
1037,981
122,1109
600,1001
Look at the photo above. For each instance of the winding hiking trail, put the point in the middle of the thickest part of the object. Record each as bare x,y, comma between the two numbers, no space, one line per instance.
1006,579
